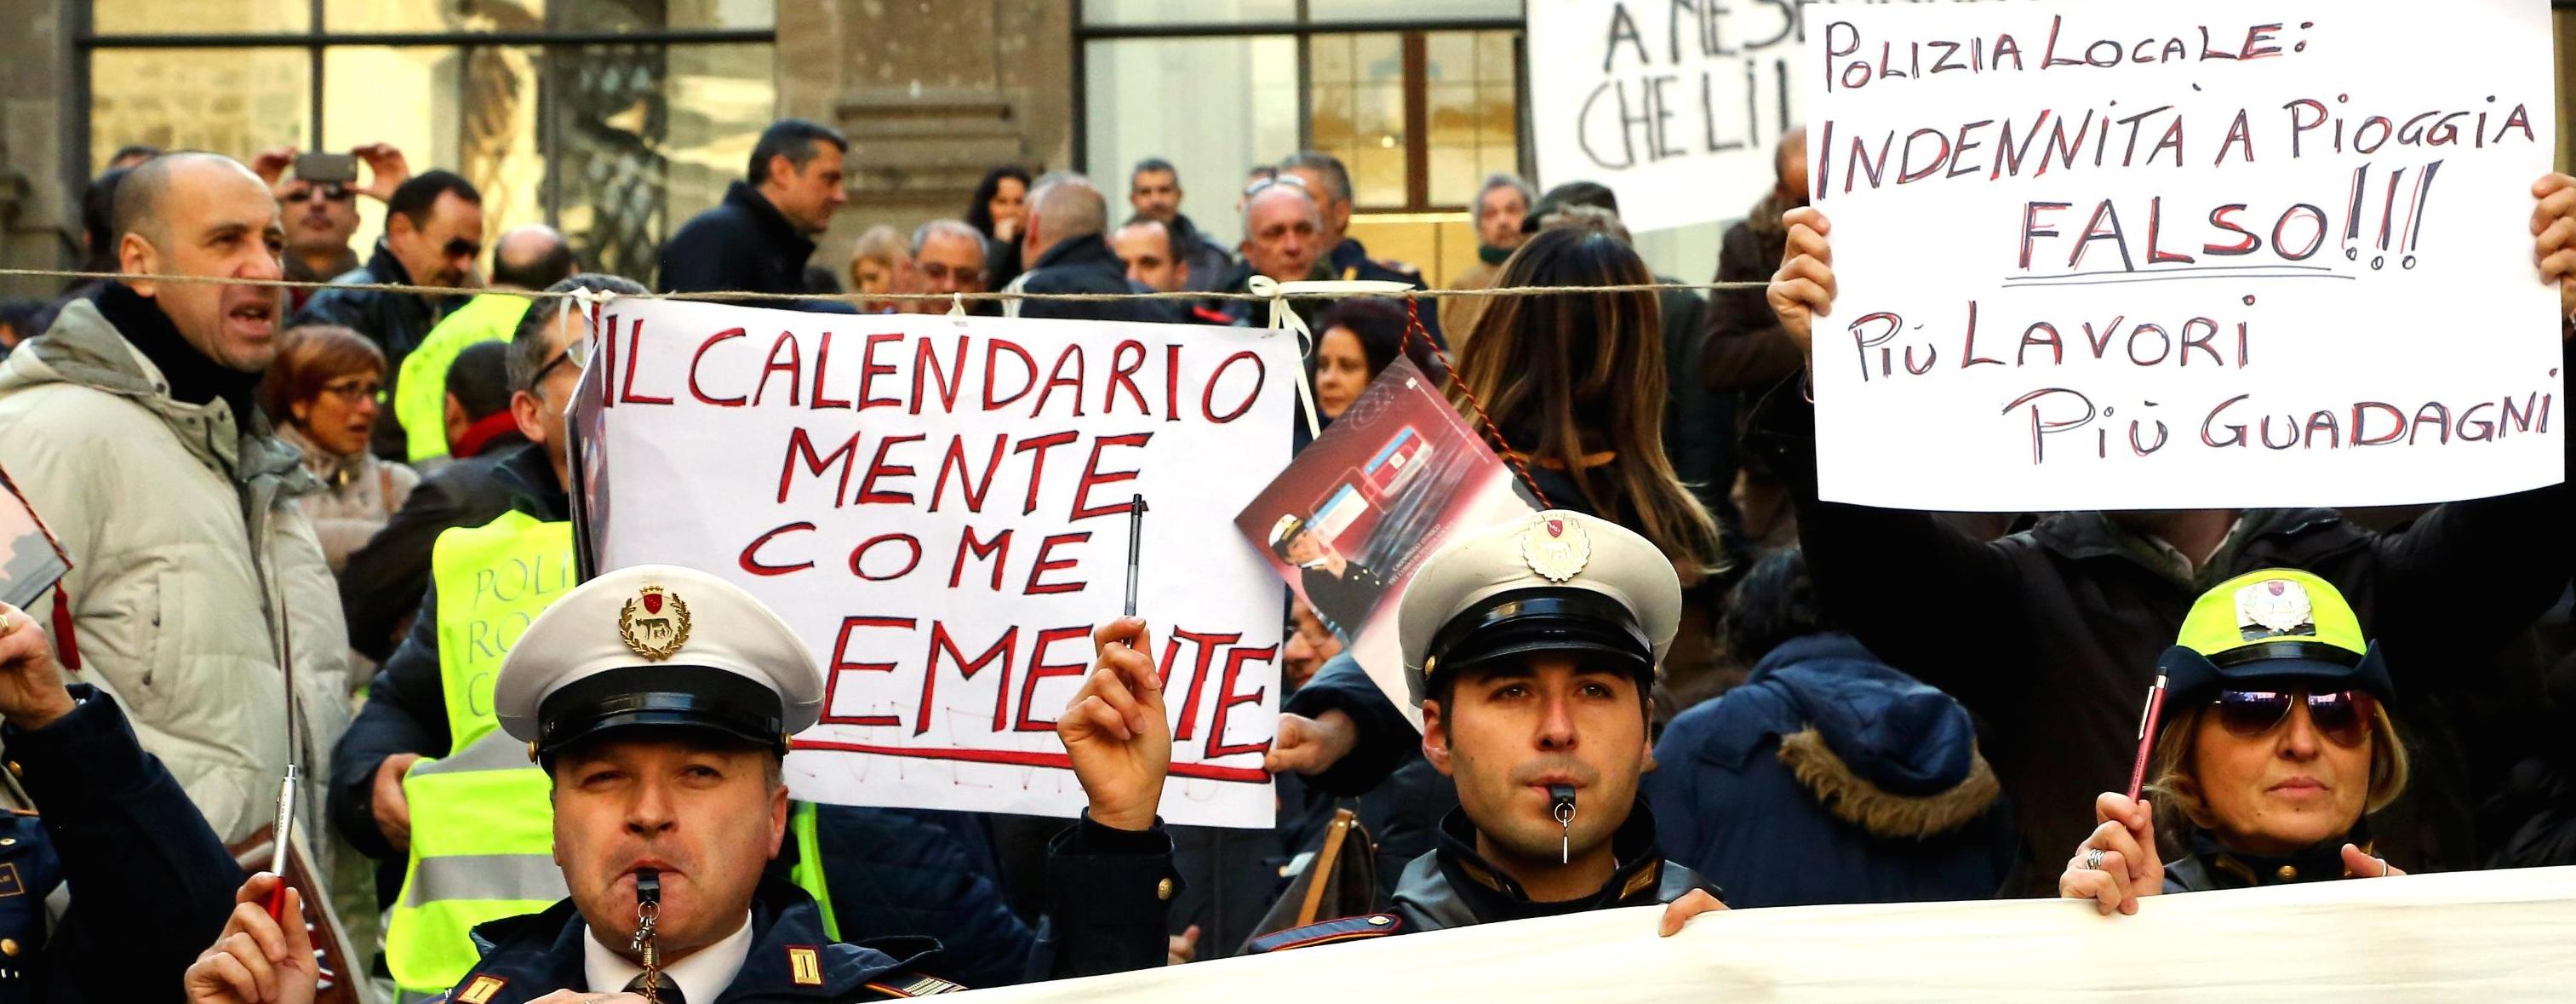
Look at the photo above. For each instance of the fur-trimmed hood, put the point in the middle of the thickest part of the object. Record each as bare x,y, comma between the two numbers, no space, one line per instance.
1877,748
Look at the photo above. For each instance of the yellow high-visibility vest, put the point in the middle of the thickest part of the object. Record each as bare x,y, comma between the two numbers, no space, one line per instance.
482,828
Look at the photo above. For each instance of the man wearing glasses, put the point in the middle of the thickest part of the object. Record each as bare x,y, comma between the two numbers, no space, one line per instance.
947,257
321,214
433,231
486,583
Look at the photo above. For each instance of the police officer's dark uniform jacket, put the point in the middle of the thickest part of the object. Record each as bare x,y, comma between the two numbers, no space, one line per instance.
528,957
150,884
698,654
1557,582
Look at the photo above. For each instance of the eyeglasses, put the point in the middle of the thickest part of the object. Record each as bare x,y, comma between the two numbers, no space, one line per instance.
939,272
577,353
461,248
354,389
332,192
1264,184
2343,716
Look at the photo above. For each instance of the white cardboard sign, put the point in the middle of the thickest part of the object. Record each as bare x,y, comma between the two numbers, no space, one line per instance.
939,507
1677,105
2203,253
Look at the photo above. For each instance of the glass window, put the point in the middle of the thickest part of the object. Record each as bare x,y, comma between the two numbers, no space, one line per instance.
472,111
1472,102
638,136
236,102
1357,112
200,17
1365,11
1096,13
357,16
643,137
1214,107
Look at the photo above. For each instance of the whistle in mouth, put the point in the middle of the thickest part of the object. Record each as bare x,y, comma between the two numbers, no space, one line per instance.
648,887
1561,796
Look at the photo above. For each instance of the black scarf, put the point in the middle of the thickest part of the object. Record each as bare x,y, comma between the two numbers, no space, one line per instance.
194,378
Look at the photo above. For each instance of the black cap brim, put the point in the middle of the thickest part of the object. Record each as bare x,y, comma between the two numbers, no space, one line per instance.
661,700
2190,675
1522,622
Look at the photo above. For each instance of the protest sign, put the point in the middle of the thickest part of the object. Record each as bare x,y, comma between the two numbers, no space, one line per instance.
939,507
2183,255
35,560
2468,936
1677,105
1363,505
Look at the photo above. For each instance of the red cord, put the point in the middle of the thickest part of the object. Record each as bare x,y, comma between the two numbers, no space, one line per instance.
1484,422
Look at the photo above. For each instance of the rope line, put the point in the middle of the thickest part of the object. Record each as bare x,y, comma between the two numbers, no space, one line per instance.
854,298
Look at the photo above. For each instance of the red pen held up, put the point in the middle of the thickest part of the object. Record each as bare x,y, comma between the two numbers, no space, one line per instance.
2147,735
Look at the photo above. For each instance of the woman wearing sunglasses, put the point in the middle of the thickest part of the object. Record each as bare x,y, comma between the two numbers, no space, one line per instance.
2275,746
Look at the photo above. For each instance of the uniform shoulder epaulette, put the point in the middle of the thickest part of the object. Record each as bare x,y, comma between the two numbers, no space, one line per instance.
1397,267
914,985
1374,925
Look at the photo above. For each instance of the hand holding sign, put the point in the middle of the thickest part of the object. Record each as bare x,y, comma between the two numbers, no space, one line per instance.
1115,731
2553,227
1803,289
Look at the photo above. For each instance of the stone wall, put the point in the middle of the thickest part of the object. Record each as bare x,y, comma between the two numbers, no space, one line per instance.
39,221
931,94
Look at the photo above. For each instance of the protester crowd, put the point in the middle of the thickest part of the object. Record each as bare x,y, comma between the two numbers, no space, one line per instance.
1748,695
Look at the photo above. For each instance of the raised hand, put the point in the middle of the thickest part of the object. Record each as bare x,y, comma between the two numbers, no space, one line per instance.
1803,289
1115,731
257,960
2118,863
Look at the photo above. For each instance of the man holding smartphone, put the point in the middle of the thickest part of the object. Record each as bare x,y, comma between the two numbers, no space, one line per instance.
319,205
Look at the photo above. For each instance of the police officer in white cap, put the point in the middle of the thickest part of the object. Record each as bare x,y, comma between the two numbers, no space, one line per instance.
660,701
1531,650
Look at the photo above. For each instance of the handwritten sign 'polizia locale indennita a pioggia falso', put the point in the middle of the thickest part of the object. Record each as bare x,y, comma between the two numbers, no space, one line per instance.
2190,254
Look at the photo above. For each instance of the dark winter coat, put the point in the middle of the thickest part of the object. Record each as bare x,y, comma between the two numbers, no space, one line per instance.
1085,264
742,245
1831,777
2051,635
149,883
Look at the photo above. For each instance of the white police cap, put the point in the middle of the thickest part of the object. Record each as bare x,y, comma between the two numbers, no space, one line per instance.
1556,581
657,647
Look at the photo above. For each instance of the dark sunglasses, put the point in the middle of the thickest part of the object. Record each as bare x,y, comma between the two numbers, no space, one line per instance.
333,192
2342,716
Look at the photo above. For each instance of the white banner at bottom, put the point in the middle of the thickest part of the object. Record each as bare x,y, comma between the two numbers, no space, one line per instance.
2482,936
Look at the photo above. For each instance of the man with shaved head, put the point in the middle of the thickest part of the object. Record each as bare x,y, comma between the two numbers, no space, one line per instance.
130,428
1062,238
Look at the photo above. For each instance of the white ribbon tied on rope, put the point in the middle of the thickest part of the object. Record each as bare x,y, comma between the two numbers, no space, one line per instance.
588,302
1282,318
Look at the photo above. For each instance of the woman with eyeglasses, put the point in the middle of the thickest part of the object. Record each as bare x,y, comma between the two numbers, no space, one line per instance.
322,393
2275,746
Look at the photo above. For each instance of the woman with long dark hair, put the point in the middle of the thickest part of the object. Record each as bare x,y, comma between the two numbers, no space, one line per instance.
997,210
1575,383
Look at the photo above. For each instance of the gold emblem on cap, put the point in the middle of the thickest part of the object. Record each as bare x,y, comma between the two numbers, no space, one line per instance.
1555,546
655,623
